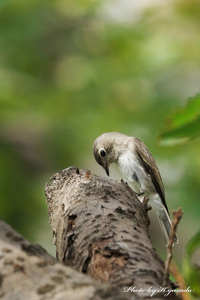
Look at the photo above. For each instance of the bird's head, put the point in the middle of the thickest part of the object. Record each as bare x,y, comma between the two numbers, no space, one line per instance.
103,151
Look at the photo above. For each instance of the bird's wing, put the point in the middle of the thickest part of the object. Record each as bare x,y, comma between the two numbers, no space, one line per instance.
151,168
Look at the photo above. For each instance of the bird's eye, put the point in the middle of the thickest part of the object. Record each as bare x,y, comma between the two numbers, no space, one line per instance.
102,153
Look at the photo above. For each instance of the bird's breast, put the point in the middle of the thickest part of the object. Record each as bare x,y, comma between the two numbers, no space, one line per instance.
134,173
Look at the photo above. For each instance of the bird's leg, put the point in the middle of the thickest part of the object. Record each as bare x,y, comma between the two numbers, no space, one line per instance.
145,202
144,199
124,182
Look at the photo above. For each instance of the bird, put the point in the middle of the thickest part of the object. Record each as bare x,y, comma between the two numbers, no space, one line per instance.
138,168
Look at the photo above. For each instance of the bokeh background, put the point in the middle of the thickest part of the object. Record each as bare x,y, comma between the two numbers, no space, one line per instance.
71,70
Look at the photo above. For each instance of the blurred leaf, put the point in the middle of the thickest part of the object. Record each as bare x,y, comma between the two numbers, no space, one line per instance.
184,125
193,244
191,272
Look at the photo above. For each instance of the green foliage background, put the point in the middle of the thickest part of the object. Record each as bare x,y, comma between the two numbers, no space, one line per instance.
71,70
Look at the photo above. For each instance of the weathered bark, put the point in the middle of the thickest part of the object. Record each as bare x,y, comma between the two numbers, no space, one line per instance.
101,229
27,272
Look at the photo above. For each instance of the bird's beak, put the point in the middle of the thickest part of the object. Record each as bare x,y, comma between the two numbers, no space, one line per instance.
106,169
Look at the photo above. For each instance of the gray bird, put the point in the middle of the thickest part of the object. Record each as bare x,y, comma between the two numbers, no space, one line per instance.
138,168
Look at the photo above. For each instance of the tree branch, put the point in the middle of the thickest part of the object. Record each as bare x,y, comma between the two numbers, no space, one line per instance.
27,271
177,215
101,229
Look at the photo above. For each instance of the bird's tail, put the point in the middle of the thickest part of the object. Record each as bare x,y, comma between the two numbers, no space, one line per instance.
165,224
